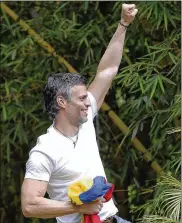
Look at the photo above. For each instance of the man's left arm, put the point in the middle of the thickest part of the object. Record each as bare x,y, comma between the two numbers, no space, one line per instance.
109,64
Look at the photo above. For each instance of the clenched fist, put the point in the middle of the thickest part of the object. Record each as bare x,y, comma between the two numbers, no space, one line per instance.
128,13
93,207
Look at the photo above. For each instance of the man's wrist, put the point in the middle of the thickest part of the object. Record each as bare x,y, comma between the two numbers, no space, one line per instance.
77,208
125,23
121,24
74,207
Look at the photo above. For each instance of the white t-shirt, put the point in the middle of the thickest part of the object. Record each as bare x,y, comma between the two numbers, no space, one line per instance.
55,160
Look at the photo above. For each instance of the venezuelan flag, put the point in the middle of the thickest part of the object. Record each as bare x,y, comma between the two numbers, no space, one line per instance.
87,190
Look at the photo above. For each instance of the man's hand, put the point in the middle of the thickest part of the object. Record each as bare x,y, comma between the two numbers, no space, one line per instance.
91,208
128,13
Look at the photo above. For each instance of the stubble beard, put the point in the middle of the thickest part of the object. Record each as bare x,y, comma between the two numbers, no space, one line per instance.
83,120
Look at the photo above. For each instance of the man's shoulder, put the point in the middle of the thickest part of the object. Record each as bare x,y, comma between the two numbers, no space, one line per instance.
45,139
45,143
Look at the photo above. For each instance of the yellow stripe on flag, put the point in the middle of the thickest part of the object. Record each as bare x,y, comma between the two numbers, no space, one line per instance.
75,189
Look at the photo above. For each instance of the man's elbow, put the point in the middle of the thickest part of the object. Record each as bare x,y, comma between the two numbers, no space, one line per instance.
109,72
27,211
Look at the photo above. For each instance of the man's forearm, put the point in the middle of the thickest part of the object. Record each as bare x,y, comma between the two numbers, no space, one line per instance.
46,208
113,54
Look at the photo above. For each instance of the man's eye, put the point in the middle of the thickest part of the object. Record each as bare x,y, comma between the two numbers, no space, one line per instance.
83,98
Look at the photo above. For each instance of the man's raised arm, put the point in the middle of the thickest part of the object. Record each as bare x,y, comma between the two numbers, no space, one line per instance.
109,64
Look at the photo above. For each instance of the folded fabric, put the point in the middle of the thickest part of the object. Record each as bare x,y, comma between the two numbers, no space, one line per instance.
87,190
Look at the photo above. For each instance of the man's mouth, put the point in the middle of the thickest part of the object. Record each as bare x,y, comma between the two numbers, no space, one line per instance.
85,111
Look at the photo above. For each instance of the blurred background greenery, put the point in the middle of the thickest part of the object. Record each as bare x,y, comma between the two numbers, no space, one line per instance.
145,95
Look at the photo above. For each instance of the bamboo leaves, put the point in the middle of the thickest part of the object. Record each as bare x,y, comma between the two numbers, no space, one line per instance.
167,203
157,81
4,113
164,13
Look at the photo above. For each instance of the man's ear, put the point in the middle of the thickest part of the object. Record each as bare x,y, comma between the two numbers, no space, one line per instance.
61,101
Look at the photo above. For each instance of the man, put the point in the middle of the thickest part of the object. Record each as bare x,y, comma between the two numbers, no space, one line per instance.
68,151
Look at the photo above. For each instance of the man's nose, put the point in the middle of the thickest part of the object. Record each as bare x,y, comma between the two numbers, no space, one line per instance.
87,102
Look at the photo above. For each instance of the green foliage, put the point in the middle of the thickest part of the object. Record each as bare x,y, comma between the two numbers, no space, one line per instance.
166,205
145,93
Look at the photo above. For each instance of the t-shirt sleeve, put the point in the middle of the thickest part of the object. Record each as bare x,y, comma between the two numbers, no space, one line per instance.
93,104
39,167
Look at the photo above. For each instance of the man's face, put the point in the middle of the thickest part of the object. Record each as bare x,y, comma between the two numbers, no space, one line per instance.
77,109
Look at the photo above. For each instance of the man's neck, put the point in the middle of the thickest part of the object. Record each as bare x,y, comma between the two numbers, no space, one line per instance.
64,126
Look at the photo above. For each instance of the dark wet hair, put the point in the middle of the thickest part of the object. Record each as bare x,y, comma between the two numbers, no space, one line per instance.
60,84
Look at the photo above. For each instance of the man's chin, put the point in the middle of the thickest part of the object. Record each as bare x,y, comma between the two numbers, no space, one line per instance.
83,120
